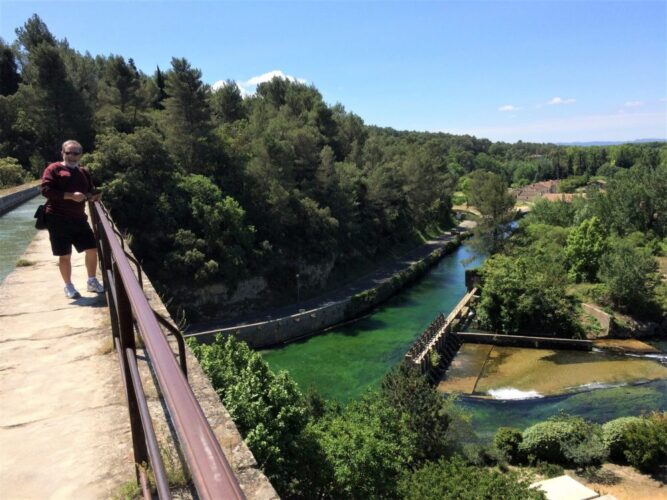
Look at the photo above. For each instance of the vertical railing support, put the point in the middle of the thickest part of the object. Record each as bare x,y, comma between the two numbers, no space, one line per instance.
126,339
129,309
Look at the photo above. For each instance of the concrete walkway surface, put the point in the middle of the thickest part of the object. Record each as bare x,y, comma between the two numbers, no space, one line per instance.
64,427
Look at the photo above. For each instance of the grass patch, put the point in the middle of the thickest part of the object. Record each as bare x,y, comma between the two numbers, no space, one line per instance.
177,476
590,325
24,263
127,491
106,347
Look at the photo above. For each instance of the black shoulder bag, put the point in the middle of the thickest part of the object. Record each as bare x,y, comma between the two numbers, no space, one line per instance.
40,216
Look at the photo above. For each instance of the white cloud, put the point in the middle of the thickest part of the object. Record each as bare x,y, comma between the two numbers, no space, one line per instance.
249,86
558,100
633,104
508,107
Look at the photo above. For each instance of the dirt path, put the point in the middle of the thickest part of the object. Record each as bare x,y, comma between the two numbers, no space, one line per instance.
64,428
626,483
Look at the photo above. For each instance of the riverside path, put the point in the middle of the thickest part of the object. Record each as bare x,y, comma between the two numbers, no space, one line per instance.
64,428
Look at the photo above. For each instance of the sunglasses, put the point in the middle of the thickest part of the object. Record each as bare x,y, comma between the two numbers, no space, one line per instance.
75,153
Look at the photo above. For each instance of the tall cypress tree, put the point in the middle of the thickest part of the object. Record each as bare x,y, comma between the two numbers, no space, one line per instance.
162,95
60,110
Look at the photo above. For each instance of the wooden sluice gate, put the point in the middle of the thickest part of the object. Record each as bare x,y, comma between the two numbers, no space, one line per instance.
435,349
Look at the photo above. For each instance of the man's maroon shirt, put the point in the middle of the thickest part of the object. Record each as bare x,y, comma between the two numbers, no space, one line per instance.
59,179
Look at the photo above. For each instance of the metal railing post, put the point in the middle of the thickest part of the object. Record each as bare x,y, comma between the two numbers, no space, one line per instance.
129,309
126,339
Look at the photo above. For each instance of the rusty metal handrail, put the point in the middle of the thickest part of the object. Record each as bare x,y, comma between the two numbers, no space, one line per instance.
211,474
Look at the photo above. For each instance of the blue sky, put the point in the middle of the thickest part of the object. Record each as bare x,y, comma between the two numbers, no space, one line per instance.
557,71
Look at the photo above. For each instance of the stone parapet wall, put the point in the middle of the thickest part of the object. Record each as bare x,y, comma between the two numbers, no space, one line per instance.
12,199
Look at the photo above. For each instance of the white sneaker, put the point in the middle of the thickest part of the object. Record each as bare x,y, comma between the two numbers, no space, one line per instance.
95,286
71,292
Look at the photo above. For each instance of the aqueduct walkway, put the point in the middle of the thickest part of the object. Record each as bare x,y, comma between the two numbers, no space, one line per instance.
64,430
64,425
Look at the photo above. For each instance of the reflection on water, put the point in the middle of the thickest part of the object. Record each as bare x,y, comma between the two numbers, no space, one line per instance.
17,229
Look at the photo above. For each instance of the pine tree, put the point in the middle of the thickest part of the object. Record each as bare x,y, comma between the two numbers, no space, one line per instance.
9,74
186,122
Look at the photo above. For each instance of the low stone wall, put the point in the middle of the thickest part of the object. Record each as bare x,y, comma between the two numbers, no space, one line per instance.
14,199
525,341
305,323
606,320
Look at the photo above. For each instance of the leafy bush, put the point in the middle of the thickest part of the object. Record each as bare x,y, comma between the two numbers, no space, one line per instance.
631,277
571,184
613,437
367,445
454,479
564,440
557,213
11,173
523,294
269,410
508,440
586,244
427,412
548,470
646,442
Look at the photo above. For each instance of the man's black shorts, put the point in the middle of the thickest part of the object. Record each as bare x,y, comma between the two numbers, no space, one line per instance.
65,232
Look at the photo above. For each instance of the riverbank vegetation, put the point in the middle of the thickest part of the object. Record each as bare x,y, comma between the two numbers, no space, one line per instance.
378,446
403,440
215,189
602,247
573,442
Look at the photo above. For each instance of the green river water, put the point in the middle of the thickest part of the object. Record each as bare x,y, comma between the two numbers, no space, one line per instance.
344,362
17,229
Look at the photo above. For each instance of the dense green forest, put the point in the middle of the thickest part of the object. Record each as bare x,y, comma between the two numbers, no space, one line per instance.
213,188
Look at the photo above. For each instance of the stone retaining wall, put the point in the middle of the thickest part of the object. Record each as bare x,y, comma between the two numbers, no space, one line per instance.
305,323
606,320
12,200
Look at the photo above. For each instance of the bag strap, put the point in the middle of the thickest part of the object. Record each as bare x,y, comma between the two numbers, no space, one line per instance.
91,186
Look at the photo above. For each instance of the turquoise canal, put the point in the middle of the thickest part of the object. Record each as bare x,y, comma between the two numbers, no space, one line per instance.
17,229
344,362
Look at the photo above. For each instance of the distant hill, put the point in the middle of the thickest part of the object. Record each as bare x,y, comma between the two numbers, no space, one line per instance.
608,143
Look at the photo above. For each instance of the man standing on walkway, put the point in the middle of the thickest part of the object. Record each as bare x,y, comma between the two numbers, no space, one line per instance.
67,186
